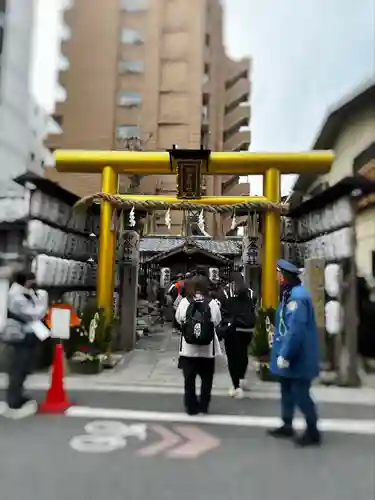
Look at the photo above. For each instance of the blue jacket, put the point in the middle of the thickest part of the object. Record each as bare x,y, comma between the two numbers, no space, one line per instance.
296,336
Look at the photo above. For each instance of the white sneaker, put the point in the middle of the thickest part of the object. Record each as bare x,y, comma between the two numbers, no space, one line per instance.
27,410
232,392
3,408
244,385
239,394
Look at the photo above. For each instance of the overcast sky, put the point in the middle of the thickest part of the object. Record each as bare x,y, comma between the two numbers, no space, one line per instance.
307,54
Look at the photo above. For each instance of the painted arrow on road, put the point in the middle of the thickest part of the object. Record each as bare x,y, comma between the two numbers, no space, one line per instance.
198,442
168,439
186,442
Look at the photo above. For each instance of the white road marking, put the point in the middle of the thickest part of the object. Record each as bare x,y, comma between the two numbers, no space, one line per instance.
106,436
346,426
116,428
91,443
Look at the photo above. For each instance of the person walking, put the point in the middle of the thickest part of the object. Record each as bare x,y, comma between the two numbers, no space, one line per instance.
238,321
26,309
174,297
295,355
198,316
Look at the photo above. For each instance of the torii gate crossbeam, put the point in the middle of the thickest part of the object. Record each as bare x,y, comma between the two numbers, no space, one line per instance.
271,165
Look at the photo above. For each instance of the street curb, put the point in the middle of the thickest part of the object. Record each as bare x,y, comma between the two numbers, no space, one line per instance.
269,391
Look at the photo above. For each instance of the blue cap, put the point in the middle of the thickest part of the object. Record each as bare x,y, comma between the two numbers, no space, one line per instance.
284,265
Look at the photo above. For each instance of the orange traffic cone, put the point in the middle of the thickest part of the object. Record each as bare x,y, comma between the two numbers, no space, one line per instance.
56,399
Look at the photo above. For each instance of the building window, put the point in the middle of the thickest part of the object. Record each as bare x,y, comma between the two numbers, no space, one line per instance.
58,119
134,5
129,98
131,66
130,36
127,131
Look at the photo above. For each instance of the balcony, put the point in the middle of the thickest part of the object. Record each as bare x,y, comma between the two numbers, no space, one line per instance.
53,141
204,116
61,94
207,54
237,93
63,63
227,181
237,188
240,141
63,77
65,32
67,4
206,84
236,70
68,17
59,108
237,118
64,48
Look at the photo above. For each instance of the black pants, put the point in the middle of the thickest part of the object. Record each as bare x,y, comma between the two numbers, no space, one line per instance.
236,348
21,363
193,368
295,394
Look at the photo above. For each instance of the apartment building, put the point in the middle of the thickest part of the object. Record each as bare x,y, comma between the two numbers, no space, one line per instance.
153,69
24,124
16,21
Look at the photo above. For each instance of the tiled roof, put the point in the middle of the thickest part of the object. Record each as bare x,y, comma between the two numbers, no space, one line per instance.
161,244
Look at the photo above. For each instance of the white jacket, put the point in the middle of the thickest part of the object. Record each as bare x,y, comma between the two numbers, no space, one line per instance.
25,307
199,351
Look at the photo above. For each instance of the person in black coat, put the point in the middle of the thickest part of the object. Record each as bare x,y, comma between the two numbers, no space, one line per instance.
238,321
366,316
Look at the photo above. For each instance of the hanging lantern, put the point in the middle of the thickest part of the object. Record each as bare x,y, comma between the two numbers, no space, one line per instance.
213,274
165,277
168,219
132,217
201,221
234,221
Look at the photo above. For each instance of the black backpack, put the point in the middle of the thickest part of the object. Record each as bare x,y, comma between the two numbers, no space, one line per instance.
198,328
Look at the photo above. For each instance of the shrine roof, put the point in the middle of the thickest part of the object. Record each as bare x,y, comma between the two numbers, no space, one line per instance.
334,123
162,244
355,186
47,186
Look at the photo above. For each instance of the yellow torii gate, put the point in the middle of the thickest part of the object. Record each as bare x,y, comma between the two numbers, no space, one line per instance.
271,165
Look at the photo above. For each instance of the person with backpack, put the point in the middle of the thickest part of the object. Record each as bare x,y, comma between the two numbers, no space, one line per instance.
26,310
238,313
198,316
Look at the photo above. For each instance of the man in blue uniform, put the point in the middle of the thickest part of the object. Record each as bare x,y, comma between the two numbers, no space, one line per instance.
295,355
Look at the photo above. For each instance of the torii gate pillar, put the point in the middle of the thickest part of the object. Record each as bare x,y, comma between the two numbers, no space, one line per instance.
107,244
271,236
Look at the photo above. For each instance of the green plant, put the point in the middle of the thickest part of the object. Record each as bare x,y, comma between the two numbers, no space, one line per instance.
98,328
260,344
88,313
78,339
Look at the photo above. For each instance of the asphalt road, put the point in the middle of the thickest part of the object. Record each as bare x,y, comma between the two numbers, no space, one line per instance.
37,462
220,404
